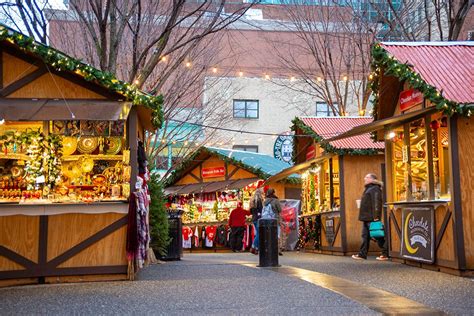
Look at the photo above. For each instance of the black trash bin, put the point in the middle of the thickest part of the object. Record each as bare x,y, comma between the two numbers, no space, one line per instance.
268,242
175,248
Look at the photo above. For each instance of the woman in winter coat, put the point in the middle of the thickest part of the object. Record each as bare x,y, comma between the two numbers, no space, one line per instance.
256,206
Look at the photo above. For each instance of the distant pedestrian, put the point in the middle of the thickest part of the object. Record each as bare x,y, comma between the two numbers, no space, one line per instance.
272,200
256,206
370,210
237,227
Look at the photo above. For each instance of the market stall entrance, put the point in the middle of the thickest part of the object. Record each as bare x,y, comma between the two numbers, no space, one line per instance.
209,185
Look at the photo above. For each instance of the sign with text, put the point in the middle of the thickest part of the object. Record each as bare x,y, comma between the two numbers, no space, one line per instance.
330,233
418,234
213,172
410,98
311,152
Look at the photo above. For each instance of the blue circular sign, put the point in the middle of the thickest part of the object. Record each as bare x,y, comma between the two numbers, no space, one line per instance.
283,148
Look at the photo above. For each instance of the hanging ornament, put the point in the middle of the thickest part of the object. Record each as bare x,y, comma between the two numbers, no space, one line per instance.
435,125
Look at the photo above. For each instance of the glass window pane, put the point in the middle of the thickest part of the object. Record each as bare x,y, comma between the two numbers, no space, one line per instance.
399,164
418,167
239,105
252,114
439,127
252,105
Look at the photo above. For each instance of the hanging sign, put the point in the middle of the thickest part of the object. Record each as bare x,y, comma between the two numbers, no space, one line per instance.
311,152
213,172
283,148
410,98
418,234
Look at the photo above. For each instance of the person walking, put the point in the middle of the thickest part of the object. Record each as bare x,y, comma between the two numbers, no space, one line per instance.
237,227
272,200
256,206
370,210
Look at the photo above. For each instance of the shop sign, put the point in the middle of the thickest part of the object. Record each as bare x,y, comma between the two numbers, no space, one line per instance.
311,152
410,98
214,172
283,148
418,234
330,233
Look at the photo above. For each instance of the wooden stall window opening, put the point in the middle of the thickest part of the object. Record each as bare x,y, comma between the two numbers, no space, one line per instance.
419,160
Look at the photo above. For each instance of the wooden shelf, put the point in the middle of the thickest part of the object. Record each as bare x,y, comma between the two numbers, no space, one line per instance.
94,157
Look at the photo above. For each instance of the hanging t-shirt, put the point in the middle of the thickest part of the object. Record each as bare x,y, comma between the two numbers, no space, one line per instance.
221,236
187,234
210,235
196,237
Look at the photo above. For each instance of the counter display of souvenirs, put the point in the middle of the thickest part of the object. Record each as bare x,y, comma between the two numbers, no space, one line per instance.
63,161
213,207
320,188
412,168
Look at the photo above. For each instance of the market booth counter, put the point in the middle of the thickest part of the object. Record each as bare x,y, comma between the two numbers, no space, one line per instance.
68,161
209,184
422,112
332,181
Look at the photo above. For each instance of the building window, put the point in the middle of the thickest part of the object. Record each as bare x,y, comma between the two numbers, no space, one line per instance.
246,109
252,148
323,109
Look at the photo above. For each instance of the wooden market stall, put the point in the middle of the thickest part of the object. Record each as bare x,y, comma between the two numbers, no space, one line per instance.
424,100
209,184
332,180
68,164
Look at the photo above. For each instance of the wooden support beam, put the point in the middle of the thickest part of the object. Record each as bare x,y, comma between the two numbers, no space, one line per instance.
20,83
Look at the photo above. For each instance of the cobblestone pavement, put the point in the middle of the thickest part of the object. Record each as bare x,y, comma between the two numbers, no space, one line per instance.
219,284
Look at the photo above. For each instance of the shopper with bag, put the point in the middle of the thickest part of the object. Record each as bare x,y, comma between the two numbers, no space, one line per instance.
237,227
272,210
370,214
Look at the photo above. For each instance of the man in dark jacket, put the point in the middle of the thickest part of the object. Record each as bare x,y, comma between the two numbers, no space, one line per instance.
237,227
272,199
370,210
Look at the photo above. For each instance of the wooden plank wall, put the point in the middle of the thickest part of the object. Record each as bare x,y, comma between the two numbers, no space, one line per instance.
355,169
46,86
466,165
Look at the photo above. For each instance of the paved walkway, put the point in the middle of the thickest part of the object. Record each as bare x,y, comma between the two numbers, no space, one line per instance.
231,284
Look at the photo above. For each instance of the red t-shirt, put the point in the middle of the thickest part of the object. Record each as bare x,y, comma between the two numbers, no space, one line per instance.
237,217
211,232
187,232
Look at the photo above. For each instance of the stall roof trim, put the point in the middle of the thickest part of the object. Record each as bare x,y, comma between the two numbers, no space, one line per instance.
58,61
263,166
328,127
448,66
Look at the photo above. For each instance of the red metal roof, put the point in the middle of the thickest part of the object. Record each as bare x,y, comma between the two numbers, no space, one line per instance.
328,127
447,66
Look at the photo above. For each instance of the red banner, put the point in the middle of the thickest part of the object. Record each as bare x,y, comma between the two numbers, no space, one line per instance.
214,172
310,152
410,98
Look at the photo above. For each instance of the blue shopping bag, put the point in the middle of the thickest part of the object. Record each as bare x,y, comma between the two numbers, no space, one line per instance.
376,229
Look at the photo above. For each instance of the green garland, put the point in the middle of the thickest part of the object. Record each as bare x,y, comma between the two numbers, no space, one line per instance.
62,62
382,61
34,164
297,123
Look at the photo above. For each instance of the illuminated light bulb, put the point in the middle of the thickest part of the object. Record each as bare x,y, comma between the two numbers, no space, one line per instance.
391,135
371,76
185,143
241,73
188,64
344,78
292,78
164,58
319,79
361,112
214,70
173,142
267,77
163,141
136,81
246,141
